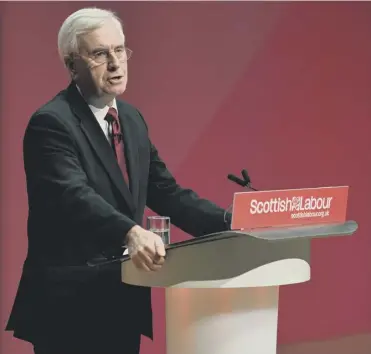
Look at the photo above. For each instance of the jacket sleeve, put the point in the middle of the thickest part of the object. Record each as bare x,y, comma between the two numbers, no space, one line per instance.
58,185
186,209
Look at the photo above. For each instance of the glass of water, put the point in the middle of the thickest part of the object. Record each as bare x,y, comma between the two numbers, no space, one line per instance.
160,225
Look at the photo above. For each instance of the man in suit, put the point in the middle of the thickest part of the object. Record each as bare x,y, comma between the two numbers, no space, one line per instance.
91,169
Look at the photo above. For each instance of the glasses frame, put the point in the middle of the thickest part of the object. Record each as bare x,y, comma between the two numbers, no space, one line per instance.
112,56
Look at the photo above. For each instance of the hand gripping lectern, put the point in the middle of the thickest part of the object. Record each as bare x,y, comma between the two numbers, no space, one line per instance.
222,289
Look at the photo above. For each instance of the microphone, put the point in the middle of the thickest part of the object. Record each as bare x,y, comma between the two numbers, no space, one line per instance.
118,136
237,180
245,182
246,176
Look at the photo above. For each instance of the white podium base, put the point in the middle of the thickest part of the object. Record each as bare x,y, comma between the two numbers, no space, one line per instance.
222,321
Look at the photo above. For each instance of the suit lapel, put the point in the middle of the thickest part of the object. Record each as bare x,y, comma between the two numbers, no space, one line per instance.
99,143
128,126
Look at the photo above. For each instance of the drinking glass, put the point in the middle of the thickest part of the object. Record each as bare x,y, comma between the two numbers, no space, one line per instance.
160,225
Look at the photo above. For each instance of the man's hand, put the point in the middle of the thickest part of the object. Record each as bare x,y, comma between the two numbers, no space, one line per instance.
145,248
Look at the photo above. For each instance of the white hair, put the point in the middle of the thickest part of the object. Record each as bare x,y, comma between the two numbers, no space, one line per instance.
79,23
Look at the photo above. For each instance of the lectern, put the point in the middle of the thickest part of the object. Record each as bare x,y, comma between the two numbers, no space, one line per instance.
222,290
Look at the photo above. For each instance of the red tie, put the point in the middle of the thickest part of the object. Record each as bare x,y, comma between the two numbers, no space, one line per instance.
117,140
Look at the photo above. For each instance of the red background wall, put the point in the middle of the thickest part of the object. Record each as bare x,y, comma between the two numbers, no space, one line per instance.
281,89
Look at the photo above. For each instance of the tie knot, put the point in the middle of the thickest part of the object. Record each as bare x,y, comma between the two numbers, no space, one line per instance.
112,115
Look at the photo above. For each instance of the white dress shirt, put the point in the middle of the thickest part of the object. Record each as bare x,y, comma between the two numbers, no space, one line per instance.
100,114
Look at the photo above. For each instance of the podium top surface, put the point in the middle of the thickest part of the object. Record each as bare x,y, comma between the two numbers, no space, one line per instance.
277,233
270,235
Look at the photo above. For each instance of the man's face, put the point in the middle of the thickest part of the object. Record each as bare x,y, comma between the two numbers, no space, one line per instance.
101,67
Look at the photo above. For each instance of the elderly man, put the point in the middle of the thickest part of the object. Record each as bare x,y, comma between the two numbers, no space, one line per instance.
91,169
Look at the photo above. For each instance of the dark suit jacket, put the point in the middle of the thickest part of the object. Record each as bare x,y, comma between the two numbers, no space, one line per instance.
80,209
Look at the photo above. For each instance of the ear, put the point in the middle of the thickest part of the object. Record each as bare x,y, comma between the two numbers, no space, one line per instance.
70,65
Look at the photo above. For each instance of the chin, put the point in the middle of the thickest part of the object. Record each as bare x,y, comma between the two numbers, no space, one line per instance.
118,90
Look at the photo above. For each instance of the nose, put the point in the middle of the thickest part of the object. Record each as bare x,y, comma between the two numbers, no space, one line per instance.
113,62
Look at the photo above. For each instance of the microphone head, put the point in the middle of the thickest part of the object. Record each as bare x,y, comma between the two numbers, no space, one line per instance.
118,136
246,176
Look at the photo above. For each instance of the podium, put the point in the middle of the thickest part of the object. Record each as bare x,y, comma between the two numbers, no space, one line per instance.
222,290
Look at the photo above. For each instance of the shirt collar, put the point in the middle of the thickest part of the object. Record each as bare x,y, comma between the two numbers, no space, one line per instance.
100,113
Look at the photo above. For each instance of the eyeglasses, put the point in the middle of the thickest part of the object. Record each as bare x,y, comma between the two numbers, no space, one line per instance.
122,54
